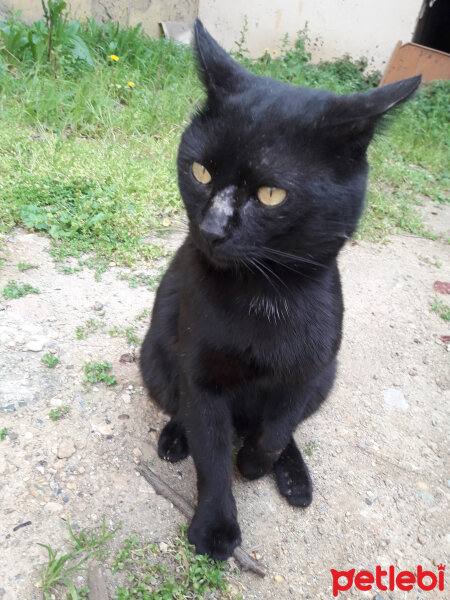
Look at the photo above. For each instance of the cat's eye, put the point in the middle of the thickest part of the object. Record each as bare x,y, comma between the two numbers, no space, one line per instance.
200,173
271,196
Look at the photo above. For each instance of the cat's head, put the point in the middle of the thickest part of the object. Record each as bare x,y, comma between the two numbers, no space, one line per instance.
266,167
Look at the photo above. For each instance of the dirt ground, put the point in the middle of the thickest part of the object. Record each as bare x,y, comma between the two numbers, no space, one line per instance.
377,450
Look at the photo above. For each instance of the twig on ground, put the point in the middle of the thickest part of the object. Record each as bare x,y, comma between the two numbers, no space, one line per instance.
246,561
96,584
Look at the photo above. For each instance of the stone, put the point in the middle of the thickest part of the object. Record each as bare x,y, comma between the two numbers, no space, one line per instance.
36,345
103,428
395,399
66,448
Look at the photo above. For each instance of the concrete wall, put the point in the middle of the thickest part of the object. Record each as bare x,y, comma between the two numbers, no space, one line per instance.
147,12
369,28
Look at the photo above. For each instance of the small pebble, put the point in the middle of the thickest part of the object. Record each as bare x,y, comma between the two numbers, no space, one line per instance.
278,578
36,345
395,399
163,546
66,448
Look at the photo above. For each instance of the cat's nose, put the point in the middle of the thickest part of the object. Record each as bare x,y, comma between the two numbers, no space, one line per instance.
219,212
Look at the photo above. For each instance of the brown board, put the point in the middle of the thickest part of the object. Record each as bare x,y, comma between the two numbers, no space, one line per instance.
412,59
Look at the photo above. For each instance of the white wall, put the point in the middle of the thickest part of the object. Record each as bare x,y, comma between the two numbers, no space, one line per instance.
369,28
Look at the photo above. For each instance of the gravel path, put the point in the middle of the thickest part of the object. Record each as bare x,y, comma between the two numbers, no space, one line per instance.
377,450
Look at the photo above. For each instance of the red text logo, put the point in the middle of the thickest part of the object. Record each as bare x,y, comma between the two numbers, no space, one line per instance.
388,580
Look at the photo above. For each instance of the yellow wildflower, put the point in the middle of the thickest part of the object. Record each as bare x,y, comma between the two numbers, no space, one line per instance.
114,57
130,84
274,51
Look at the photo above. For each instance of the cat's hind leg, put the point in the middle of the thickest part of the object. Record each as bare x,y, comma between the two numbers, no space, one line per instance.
292,476
172,443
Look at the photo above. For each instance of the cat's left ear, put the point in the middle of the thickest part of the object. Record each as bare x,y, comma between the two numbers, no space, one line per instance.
359,113
216,68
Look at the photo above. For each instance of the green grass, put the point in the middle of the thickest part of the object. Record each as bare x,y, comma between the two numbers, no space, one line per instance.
16,290
3,433
92,161
139,570
172,573
60,568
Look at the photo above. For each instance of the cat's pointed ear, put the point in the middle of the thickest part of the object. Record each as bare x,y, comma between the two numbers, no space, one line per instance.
215,67
359,113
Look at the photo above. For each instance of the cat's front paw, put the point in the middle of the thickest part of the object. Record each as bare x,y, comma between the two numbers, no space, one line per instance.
292,477
215,536
253,462
172,443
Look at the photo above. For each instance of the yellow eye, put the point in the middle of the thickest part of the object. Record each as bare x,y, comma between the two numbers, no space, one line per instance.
271,196
200,173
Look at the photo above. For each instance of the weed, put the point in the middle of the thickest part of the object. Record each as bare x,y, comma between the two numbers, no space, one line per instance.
90,540
67,270
128,333
142,279
433,261
24,266
178,574
90,327
58,413
142,315
58,569
50,360
310,447
96,372
16,290
442,309
3,433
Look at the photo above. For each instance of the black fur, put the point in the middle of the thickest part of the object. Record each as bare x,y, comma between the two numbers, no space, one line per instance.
247,320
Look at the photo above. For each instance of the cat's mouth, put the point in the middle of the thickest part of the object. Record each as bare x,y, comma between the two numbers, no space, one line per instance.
220,253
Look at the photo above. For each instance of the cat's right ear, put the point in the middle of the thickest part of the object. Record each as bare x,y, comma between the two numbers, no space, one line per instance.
217,70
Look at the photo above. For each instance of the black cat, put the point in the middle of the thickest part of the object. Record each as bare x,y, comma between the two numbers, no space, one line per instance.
247,320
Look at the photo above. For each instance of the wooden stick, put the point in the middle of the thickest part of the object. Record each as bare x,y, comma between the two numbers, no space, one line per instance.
246,561
96,584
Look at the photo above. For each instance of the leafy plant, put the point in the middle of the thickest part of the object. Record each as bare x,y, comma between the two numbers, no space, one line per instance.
50,360
3,433
442,309
128,332
16,290
186,575
91,326
59,569
97,372
310,447
58,413
24,266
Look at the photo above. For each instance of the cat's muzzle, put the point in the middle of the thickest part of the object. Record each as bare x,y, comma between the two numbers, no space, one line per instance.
215,222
